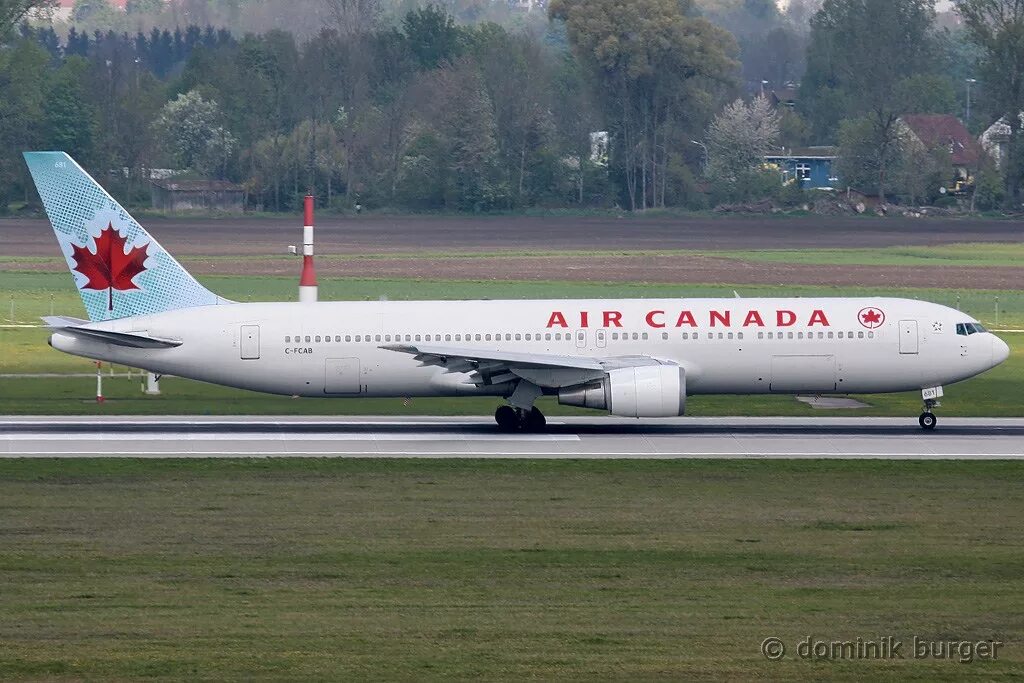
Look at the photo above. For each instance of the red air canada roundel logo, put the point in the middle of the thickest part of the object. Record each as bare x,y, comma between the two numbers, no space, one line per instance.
871,317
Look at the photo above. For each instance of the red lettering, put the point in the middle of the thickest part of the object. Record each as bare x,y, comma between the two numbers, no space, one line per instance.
818,318
612,318
686,318
651,321
719,317
584,319
785,318
557,319
753,318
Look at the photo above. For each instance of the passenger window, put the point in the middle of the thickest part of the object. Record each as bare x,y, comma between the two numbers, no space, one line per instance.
287,340
348,337
686,335
337,337
458,337
358,338
447,337
821,335
644,336
615,336
487,337
871,335
508,337
664,335
417,337
387,337
721,336
558,336
317,338
760,335
308,339
860,335
547,336
739,335
527,336
830,335
518,336
799,335
711,335
377,337
840,335
730,335
478,337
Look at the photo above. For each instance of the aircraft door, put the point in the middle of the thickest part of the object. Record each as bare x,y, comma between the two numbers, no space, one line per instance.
581,339
341,376
249,342
909,343
601,336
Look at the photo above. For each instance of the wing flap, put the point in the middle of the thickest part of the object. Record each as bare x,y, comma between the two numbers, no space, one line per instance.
485,366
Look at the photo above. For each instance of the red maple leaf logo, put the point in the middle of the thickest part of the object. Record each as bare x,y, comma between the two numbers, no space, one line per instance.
109,267
871,318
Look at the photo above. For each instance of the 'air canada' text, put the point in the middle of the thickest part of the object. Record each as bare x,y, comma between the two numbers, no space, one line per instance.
659,318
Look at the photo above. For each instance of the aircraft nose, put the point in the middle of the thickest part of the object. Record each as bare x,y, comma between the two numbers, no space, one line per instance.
1000,350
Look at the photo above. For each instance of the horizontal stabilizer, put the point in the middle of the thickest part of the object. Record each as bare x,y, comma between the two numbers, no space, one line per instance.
72,326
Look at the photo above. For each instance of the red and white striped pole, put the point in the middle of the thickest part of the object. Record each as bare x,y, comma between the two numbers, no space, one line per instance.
307,283
99,383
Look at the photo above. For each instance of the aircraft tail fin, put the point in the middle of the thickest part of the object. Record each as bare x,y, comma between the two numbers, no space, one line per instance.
119,269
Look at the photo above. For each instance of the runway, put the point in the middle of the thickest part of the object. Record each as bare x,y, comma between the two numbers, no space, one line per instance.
470,437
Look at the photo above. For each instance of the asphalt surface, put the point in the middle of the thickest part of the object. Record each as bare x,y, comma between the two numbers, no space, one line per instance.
446,234
462,437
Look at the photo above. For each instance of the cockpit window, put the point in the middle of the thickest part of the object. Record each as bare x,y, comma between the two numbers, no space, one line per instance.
965,329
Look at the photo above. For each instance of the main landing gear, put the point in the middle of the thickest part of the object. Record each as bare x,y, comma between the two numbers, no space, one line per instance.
511,419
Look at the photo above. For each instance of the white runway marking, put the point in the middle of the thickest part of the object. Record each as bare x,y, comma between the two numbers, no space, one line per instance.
279,436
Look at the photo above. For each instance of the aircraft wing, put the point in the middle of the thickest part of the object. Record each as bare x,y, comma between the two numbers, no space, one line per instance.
494,367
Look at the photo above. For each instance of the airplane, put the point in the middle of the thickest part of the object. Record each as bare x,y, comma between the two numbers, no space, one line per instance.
628,357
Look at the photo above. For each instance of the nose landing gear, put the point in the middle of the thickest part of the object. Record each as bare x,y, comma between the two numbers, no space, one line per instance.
931,397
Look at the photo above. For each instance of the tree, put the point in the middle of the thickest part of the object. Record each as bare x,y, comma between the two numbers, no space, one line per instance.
68,116
190,131
861,56
22,97
739,138
998,27
654,65
13,11
432,36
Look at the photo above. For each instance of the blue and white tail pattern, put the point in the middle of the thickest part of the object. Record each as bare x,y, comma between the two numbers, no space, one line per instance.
119,269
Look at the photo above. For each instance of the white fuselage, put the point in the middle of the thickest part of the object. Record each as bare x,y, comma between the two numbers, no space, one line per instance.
735,346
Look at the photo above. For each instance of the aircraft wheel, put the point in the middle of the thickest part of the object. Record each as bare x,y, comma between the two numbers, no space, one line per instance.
534,420
506,418
927,421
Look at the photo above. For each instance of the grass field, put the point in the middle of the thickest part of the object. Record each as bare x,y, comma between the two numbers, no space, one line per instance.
962,254
24,350
335,569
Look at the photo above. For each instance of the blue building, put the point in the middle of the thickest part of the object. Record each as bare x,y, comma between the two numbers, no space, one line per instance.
812,167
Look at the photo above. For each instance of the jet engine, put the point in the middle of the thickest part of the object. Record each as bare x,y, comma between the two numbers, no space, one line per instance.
642,391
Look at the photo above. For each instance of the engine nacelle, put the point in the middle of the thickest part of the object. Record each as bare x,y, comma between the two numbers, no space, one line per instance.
643,391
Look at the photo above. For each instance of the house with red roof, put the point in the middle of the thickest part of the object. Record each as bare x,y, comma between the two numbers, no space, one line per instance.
945,131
